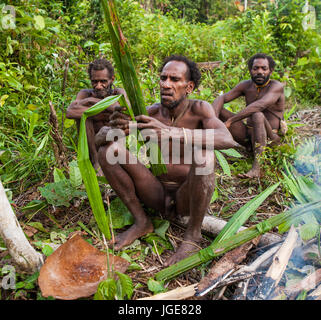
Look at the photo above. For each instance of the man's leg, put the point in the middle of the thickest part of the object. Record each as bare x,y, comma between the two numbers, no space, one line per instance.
193,199
262,129
132,183
237,129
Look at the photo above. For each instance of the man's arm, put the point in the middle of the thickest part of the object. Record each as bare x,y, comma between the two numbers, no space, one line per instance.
236,92
82,102
270,98
213,134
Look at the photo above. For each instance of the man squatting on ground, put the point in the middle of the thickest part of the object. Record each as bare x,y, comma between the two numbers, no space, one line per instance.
101,74
265,103
181,190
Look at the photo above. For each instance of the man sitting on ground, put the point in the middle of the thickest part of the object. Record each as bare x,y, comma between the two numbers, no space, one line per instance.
101,74
185,189
265,103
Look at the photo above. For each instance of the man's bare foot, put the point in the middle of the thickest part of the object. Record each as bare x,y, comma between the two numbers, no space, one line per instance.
134,232
186,249
275,141
253,173
98,169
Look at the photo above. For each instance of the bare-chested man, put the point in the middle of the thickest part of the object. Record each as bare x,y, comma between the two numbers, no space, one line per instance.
182,190
265,103
101,74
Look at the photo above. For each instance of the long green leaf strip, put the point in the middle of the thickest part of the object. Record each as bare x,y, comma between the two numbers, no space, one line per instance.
87,171
242,215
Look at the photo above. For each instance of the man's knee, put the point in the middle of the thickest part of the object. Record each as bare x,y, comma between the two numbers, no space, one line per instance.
258,117
102,154
203,161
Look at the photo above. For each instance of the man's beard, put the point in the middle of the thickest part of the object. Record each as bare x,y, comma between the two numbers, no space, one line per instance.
103,93
173,104
260,82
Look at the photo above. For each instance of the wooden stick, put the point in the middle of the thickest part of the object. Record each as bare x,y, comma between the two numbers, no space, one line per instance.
59,148
276,270
176,294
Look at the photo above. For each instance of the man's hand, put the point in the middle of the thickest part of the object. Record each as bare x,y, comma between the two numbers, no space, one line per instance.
228,123
100,137
119,120
146,122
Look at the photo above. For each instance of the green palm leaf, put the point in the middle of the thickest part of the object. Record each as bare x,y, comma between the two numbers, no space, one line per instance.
87,171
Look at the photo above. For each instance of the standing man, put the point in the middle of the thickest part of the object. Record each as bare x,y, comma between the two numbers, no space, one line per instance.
265,103
101,74
183,190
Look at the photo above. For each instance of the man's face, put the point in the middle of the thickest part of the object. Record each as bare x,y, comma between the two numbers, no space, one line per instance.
260,72
101,83
174,84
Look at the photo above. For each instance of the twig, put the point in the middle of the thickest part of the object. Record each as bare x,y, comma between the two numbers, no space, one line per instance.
59,148
220,294
159,258
63,89
276,270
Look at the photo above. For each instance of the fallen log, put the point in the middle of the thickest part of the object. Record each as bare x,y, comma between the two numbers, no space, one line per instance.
213,226
228,262
276,270
25,258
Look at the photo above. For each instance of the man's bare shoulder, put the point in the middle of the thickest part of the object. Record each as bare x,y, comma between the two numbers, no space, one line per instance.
244,85
84,93
202,108
277,84
119,91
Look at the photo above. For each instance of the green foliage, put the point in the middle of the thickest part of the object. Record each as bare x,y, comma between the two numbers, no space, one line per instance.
60,193
111,289
106,290
156,286
120,215
304,189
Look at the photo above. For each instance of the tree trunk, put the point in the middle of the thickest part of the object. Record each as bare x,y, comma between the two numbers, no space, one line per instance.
25,257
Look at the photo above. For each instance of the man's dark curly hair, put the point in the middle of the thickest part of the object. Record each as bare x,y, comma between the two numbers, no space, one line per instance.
193,72
261,56
101,64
